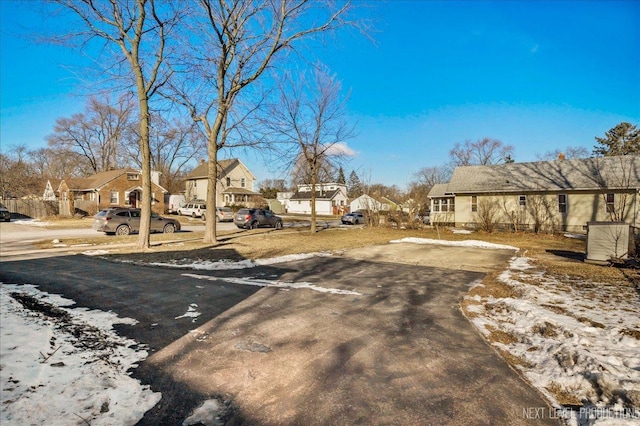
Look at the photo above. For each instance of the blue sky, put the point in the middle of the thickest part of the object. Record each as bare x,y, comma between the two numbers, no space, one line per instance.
539,76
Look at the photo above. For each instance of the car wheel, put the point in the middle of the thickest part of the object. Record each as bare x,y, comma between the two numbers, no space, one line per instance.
169,228
278,225
253,225
193,215
203,217
123,230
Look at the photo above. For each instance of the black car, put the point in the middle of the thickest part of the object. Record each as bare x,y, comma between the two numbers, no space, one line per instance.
5,214
255,218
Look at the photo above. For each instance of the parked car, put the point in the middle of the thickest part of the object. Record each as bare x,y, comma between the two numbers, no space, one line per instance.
352,218
254,218
223,214
125,220
174,202
5,214
193,209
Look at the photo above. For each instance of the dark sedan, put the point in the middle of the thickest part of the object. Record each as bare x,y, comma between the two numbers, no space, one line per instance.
124,221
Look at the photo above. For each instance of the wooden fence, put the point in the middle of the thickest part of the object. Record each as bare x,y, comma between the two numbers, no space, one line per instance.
40,208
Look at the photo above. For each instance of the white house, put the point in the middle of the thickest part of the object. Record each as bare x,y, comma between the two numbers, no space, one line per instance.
366,202
285,199
331,199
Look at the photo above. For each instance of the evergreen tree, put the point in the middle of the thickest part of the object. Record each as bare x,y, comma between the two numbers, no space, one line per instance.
341,178
623,139
354,186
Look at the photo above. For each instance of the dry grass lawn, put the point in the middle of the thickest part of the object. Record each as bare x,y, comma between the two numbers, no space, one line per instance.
556,254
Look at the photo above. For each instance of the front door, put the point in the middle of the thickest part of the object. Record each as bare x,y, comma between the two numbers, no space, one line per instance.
134,198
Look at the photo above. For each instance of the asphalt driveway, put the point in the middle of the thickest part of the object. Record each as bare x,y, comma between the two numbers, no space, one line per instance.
350,339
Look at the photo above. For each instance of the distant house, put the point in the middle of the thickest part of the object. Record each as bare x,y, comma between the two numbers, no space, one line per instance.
121,187
235,183
285,199
366,202
562,195
331,199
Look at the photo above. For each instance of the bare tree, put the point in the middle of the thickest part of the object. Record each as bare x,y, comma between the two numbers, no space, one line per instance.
237,41
52,163
302,173
310,115
174,144
99,134
139,31
569,153
488,214
484,151
18,178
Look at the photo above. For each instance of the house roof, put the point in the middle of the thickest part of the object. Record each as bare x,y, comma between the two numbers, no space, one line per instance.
616,172
320,195
224,168
99,180
439,190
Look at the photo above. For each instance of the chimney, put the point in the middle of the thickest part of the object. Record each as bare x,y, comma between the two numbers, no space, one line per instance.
561,156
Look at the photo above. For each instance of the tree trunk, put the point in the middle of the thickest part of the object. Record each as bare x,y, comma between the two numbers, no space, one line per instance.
144,240
314,179
210,222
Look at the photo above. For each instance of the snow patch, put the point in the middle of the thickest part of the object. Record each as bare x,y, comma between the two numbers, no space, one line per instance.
465,243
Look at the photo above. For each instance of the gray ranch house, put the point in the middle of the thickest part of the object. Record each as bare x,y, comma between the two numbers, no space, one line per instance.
559,195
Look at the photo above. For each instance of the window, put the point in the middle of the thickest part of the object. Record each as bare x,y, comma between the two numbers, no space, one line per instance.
436,205
127,200
243,182
133,176
228,181
474,203
611,205
522,201
113,199
562,203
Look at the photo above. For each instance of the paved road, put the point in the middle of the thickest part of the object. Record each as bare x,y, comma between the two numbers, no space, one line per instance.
393,349
17,239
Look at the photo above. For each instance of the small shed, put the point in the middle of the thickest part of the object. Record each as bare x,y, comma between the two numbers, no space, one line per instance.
275,206
607,241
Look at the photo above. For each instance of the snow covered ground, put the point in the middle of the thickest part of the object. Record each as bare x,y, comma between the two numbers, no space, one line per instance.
68,367
577,340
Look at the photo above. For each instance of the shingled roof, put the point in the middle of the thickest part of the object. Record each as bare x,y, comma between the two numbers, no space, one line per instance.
97,180
320,195
616,172
224,168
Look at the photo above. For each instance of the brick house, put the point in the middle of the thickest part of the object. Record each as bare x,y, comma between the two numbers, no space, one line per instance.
122,187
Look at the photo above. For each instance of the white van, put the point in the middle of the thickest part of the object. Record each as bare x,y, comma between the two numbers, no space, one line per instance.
174,203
